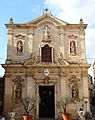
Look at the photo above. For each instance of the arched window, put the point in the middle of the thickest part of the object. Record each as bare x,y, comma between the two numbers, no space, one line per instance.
19,46
46,54
72,47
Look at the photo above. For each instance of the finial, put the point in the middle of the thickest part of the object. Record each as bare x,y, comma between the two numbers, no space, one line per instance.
11,21
81,21
46,10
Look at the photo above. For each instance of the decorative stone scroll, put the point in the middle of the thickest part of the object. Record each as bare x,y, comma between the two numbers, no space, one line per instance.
31,60
61,60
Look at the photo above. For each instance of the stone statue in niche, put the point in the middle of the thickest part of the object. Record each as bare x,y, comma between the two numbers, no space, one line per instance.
75,92
19,47
46,33
17,88
72,47
74,84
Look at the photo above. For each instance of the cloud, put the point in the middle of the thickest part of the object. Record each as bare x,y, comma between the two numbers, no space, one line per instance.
90,42
36,8
71,11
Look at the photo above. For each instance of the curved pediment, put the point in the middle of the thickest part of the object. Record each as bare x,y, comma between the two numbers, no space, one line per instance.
20,36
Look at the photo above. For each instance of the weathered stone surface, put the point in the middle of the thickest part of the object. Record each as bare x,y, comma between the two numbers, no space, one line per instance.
67,66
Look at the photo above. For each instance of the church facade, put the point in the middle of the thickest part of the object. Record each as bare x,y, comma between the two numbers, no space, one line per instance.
47,57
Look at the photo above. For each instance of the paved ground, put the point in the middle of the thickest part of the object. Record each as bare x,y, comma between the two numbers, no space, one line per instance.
59,119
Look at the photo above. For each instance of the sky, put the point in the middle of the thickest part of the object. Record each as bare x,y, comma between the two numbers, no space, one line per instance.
68,10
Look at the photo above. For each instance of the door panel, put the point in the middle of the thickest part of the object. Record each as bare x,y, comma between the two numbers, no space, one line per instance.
46,106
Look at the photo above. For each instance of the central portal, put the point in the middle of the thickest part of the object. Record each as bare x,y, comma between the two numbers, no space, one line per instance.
47,104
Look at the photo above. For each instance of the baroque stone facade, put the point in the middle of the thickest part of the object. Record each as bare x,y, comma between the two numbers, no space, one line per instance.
45,56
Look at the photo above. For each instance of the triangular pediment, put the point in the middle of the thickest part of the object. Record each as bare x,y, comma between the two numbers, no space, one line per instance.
46,18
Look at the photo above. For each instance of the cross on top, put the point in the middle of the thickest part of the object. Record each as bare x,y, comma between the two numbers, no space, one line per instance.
46,10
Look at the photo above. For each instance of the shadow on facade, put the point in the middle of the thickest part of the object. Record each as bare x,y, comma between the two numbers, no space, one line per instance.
1,94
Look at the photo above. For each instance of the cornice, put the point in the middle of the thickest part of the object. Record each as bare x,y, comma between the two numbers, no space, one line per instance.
80,65
20,26
45,18
75,26
12,65
43,65
33,26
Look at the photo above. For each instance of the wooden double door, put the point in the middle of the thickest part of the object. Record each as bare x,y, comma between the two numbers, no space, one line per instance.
47,104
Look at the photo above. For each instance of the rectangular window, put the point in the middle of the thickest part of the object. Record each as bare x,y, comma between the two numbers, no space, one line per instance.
46,54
